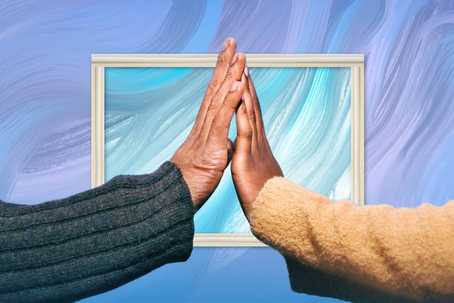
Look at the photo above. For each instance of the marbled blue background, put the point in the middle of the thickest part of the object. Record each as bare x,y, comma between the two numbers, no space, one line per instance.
45,49
307,115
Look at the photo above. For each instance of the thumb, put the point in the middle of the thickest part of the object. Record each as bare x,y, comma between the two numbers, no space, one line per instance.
243,140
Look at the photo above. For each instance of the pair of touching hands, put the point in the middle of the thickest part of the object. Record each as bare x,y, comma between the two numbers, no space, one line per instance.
207,151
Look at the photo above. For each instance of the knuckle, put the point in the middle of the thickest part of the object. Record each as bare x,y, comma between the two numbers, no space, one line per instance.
245,134
212,107
251,116
229,74
212,86
214,83
221,59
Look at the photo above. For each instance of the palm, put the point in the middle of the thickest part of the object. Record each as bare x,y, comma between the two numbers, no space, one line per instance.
253,162
203,157
205,163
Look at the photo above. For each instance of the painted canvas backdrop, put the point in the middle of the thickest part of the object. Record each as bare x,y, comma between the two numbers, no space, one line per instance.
307,115
45,49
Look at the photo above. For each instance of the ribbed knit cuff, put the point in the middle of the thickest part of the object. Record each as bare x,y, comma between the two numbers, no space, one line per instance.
179,208
97,240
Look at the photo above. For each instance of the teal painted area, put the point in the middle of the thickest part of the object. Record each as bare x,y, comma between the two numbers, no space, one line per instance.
138,80
306,112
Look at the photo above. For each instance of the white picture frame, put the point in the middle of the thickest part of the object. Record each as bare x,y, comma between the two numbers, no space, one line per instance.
353,61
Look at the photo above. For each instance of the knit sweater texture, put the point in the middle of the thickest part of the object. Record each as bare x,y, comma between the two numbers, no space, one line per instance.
68,249
362,254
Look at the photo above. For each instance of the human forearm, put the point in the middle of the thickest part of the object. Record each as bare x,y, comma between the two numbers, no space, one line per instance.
391,252
94,241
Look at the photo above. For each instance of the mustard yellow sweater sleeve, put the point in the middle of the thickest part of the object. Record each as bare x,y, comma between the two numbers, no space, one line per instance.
364,254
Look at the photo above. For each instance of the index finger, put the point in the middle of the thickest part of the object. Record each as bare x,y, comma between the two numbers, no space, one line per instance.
255,104
223,63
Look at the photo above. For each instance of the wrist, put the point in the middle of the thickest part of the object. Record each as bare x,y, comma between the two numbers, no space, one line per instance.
187,180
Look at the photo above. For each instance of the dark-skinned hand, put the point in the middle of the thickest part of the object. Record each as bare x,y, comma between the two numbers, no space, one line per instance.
253,162
206,152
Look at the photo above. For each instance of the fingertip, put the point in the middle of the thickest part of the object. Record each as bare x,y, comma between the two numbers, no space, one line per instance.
229,42
241,62
237,66
241,57
228,53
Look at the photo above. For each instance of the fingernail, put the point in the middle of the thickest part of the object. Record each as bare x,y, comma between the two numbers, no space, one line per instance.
235,87
227,42
246,71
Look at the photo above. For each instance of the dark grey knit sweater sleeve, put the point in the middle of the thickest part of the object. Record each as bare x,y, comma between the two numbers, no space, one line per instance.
92,242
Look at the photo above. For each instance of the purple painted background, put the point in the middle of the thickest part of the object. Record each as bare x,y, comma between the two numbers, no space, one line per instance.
45,49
